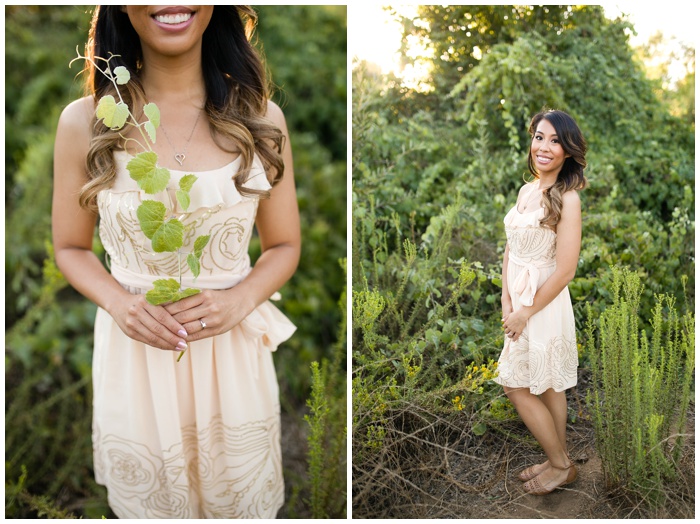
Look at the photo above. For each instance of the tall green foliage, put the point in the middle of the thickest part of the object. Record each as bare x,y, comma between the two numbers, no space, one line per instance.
415,337
642,386
327,421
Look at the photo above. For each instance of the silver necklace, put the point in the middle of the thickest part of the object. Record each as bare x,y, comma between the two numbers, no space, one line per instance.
180,157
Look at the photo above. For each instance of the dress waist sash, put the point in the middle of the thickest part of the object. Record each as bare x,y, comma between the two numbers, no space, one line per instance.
143,281
528,278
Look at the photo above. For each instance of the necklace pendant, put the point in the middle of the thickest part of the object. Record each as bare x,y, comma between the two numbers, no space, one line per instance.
180,157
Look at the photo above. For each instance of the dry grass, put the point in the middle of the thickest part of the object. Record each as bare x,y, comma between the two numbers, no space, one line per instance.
434,467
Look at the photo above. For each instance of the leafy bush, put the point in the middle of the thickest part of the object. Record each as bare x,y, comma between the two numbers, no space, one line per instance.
415,338
642,386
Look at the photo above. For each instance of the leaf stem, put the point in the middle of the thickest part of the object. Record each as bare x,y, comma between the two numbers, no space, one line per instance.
179,266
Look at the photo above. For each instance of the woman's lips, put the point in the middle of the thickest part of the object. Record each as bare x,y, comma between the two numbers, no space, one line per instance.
173,18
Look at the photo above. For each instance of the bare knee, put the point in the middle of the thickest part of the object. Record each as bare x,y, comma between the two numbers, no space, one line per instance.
517,395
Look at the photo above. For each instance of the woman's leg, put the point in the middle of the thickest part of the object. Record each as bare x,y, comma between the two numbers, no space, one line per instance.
556,404
541,423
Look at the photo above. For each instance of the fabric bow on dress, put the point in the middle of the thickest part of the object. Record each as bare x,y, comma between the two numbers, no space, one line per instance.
528,279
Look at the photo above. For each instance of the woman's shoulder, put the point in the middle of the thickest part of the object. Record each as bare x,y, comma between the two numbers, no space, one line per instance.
571,198
276,115
77,117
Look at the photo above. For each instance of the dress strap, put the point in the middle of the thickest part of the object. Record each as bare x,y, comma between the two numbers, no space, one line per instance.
527,198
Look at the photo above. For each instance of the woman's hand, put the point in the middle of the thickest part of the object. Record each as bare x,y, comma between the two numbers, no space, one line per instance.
514,323
219,310
149,324
506,307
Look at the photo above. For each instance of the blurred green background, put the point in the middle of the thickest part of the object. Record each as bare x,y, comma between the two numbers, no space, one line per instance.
48,465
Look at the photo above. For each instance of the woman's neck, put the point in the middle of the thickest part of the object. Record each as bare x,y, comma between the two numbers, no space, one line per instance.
547,180
174,80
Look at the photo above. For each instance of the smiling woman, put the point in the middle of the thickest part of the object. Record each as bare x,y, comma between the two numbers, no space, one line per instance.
197,437
540,358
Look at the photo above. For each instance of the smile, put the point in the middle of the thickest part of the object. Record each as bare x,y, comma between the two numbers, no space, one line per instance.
173,19
543,160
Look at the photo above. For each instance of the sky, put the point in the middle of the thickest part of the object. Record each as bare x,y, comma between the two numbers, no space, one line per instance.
373,36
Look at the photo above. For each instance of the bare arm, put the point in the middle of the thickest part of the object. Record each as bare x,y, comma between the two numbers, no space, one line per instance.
568,249
278,225
506,303
279,229
73,228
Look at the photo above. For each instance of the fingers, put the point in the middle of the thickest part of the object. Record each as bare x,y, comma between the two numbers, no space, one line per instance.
185,304
197,332
211,306
510,332
204,307
154,326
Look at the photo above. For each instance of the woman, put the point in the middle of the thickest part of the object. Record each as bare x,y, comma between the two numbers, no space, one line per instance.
539,359
198,438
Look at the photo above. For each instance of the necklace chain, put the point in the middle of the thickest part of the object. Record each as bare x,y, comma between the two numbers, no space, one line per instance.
180,157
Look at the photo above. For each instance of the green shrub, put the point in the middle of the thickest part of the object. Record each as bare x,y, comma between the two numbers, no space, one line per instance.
642,386
327,419
415,339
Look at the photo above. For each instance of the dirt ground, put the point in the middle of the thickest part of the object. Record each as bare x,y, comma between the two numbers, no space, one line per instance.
581,499
448,473
493,490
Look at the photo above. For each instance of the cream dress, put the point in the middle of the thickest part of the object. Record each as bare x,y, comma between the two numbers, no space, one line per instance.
199,438
545,355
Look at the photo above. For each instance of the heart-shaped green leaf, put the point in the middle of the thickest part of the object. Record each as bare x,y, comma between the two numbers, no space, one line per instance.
193,263
166,291
113,114
144,169
199,245
122,75
169,236
183,197
151,215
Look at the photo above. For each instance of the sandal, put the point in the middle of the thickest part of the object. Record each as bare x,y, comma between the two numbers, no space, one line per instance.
534,487
531,473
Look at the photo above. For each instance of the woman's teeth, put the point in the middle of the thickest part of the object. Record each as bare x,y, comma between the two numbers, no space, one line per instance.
173,19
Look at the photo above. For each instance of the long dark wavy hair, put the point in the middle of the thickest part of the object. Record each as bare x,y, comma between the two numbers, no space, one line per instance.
571,175
236,92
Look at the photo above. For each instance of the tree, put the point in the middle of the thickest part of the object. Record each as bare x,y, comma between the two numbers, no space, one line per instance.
459,35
